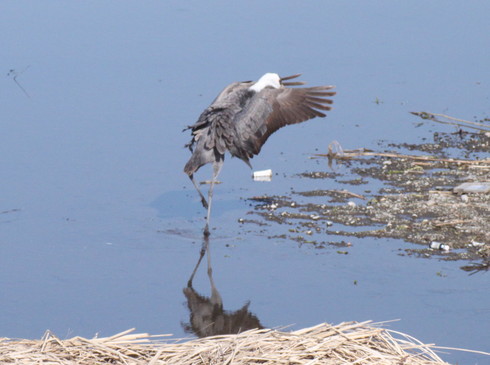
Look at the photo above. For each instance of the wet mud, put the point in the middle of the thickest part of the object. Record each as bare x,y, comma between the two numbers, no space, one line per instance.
407,193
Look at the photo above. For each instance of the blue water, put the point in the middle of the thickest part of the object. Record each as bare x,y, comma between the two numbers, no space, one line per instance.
99,227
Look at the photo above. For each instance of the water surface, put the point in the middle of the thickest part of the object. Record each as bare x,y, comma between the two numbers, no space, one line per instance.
100,229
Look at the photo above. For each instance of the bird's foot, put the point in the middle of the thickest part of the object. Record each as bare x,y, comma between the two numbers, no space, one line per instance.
204,203
206,231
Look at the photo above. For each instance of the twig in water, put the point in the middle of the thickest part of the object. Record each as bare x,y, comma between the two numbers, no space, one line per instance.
14,75
348,154
452,120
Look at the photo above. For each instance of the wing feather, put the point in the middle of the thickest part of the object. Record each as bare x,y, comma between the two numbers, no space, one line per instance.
272,109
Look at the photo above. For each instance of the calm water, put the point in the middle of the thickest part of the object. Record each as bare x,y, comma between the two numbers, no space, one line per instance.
100,229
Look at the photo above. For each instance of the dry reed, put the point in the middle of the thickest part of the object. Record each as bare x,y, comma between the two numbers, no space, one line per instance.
350,342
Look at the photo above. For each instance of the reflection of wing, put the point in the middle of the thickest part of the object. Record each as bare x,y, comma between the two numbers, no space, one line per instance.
271,109
208,318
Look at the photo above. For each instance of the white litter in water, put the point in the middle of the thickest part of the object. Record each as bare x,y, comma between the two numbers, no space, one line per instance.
473,187
439,246
477,244
262,175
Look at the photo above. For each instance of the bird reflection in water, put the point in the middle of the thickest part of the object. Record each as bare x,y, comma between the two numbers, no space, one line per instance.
207,315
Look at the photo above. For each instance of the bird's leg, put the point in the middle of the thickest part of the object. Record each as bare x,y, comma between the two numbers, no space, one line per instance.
217,164
203,199
204,248
215,295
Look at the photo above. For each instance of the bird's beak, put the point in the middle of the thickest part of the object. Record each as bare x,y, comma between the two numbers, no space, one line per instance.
294,83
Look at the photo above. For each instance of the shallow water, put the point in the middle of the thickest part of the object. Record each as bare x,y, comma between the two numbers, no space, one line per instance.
99,228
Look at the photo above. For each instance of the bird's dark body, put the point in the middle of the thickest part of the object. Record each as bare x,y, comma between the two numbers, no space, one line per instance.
244,115
216,132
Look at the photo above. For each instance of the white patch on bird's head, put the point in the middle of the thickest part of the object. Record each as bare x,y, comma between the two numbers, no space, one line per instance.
269,79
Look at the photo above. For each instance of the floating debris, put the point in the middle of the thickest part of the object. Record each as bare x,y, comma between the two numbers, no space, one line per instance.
477,244
416,202
262,175
335,149
446,119
473,187
439,246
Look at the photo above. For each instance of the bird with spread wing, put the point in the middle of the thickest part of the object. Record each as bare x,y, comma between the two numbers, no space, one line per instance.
243,116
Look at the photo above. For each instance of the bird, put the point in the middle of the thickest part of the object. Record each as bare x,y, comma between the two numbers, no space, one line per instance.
242,118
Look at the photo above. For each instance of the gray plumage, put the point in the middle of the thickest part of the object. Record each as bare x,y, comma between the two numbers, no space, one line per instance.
244,115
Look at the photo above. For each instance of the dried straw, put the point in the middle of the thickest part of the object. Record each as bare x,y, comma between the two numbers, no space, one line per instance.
350,342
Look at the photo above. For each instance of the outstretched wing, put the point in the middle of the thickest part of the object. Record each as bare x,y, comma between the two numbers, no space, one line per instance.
271,109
